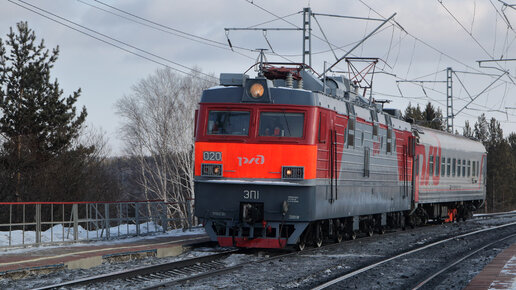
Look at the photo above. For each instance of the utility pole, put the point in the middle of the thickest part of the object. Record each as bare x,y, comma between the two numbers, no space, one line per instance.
307,35
18,147
449,100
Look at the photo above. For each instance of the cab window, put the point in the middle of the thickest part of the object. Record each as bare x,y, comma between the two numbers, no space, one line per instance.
280,124
228,123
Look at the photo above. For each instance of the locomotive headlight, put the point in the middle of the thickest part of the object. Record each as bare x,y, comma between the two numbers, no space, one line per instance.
256,91
211,170
292,172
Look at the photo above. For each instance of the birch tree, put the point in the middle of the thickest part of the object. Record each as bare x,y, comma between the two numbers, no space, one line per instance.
158,132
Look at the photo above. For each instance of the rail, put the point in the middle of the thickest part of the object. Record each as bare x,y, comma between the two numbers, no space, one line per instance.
39,223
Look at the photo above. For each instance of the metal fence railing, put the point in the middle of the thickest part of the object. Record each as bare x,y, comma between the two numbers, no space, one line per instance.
37,223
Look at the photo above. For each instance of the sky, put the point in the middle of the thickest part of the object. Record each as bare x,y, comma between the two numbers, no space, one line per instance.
129,40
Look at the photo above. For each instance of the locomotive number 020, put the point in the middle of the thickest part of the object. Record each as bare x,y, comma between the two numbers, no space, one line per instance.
251,194
212,156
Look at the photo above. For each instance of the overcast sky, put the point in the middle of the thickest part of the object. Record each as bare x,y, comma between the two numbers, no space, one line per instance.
429,37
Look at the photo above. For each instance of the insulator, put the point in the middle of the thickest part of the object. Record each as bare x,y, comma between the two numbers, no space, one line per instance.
300,84
289,81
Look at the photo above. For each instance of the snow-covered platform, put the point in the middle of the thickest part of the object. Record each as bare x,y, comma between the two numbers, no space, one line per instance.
499,274
20,262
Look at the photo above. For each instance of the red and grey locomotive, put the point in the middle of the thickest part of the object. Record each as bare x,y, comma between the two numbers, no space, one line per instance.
287,158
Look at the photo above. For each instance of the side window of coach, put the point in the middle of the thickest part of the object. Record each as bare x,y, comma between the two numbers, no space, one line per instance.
437,165
431,165
443,165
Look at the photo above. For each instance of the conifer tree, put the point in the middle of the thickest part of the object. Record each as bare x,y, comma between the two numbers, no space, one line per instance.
467,131
430,117
38,124
413,113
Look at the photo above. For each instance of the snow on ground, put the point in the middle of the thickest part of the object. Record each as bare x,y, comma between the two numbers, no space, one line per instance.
59,234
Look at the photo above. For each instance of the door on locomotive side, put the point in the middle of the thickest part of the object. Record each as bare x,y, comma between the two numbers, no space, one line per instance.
412,155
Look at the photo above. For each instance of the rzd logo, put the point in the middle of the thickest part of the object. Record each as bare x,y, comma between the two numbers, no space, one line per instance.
259,159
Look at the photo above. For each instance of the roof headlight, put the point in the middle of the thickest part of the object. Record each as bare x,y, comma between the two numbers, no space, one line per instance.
256,90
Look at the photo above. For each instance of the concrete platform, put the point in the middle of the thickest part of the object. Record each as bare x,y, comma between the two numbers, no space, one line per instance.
499,274
21,262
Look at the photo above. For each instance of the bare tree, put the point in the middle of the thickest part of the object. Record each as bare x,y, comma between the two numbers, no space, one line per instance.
158,132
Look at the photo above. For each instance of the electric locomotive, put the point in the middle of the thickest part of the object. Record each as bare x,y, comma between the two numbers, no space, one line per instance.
289,158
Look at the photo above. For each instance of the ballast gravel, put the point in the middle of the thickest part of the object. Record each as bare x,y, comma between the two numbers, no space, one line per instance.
311,268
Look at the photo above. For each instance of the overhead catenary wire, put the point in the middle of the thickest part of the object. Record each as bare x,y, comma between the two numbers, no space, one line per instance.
325,38
290,23
437,50
162,25
390,47
418,99
431,46
467,107
278,18
16,2
339,47
425,43
466,30
167,29
225,45
275,19
415,38
504,17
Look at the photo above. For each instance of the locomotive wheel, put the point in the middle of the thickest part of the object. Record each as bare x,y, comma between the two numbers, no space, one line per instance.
352,235
318,237
318,242
301,245
370,232
338,237
381,230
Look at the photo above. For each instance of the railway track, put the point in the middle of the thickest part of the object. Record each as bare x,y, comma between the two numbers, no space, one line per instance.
179,272
188,271
423,280
496,214
155,272
191,279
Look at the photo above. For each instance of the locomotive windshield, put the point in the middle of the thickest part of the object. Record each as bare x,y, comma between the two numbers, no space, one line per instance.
279,124
228,123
